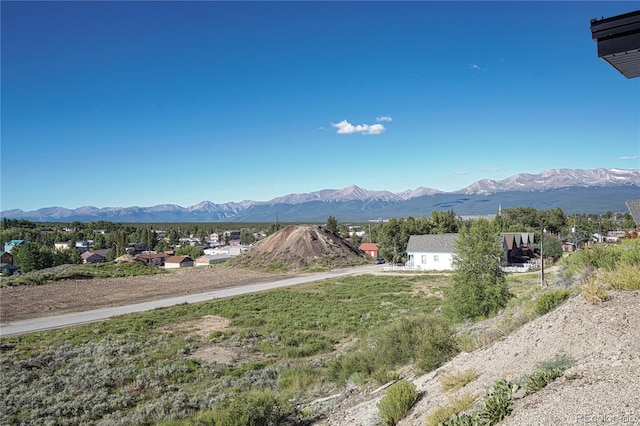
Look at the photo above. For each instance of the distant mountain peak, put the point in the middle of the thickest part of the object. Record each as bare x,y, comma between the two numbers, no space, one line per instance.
555,179
356,202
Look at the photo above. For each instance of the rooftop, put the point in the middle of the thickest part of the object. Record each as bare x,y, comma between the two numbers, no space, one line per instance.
618,39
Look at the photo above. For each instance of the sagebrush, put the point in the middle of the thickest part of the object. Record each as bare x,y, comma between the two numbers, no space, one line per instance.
397,402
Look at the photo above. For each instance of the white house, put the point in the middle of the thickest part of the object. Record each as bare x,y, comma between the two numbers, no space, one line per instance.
432,252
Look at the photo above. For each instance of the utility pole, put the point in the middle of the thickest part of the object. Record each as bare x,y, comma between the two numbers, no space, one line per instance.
542,255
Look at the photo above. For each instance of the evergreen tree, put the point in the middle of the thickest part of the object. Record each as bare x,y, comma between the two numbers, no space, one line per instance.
99,242
246,237
332,225
478,286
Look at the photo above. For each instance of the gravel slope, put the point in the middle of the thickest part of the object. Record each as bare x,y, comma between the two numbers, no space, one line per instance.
603,340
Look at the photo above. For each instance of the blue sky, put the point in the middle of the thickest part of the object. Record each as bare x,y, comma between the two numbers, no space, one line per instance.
145,103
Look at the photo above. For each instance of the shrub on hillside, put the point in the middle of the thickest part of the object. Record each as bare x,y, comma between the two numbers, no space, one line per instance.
497,405
549,301
397,402
425,340
625,277
252,408
437,344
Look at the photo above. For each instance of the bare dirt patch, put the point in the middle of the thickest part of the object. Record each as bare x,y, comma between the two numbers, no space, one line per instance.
23,302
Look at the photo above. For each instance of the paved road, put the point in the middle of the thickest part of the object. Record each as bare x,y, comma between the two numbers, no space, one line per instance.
75,318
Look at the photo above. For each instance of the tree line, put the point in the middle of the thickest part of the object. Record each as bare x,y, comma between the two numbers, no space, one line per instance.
392,236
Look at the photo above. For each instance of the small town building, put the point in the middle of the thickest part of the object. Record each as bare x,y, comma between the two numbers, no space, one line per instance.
63,245
212,259
432,252
6,257
11,244
157,259
7,269
371,249
92,257
518,247
175,262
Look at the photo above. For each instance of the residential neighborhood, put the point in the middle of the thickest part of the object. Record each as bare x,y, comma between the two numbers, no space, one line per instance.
427,243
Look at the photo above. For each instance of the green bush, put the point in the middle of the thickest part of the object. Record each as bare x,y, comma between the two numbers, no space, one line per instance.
478,286
427,340
539,379
498,404
437,344
461,420
549,301
597,257
561,362
397,402
361,361
547,372
252,408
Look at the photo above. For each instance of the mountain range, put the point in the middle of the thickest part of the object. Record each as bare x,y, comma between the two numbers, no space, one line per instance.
573,190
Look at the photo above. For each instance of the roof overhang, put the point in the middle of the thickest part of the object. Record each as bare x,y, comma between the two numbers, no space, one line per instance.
618,39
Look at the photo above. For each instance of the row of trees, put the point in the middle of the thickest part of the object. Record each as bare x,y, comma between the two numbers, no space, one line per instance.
34,256
392,236
40,252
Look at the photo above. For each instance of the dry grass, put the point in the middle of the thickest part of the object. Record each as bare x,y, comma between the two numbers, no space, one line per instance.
626,277
452,381
593,291
456,405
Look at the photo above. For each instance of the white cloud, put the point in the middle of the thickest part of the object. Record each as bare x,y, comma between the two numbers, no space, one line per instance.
346,128
384,118
474,67
632,157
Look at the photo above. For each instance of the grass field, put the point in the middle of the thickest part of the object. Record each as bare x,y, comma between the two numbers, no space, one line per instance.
142,368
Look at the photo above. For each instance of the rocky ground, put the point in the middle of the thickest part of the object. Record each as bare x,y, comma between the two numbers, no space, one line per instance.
602,386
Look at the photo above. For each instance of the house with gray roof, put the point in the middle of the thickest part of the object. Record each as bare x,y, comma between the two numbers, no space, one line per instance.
634,209
431,252
211,259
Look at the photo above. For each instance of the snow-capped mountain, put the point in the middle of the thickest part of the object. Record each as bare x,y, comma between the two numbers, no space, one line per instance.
556,179
573,190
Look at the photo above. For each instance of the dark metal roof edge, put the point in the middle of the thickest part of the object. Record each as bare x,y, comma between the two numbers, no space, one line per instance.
615,25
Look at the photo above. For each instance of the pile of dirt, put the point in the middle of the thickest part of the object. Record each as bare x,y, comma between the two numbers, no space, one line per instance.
125,258
303,246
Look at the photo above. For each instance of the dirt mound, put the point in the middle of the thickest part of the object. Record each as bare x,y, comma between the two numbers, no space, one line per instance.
303,246
125,258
